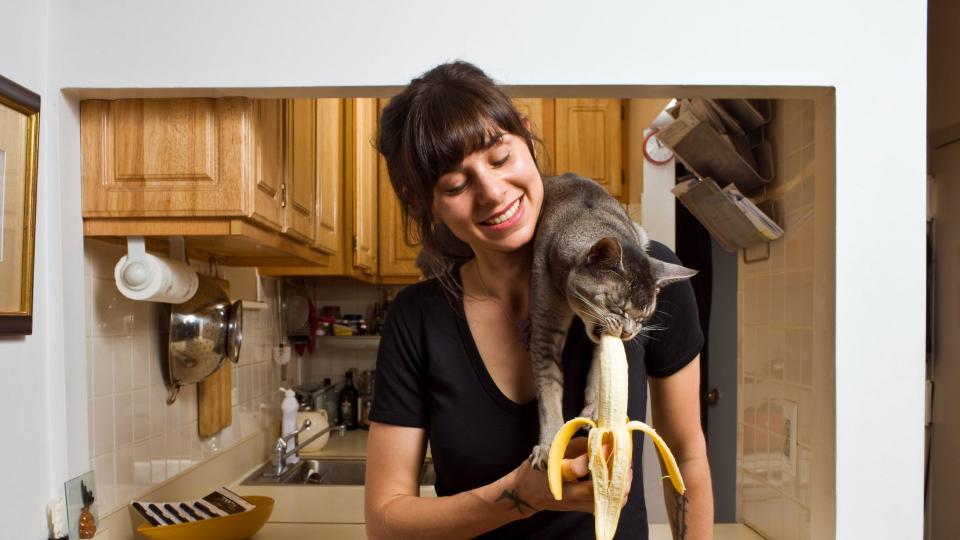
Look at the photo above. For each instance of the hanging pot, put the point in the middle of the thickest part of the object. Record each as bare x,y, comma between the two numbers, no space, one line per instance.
204,331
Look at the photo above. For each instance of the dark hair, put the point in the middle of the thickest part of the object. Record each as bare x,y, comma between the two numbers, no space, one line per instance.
441,117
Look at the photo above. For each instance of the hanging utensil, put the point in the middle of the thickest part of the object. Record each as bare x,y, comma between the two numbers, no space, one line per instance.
281,353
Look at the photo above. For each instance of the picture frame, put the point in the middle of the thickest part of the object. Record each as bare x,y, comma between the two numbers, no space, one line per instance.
81,501
19,152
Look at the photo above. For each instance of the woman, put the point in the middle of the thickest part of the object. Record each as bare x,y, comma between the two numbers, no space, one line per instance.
452,367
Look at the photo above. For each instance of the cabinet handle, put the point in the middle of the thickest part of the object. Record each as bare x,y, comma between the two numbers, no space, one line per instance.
283,195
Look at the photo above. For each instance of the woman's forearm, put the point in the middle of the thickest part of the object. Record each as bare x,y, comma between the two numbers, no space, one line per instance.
691,514
463,515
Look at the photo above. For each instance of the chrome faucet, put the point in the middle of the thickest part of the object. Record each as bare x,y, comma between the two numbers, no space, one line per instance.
282,449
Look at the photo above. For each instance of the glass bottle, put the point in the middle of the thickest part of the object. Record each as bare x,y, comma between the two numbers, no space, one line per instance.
348,404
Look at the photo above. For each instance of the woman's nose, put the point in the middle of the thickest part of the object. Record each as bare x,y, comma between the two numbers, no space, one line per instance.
492,189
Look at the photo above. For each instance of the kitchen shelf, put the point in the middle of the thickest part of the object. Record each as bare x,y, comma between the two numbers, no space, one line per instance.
349,342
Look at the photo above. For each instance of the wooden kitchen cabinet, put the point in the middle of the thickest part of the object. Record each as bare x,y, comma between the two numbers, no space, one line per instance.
329,174
541,115
397,259
315,177
588,140
347,206
267,159
363,166
300,188
210,170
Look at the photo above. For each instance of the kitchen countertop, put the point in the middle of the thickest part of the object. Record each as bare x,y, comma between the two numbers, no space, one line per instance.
297,531
342,504
352,445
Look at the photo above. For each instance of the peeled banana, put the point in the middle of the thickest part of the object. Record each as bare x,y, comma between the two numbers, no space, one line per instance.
609,475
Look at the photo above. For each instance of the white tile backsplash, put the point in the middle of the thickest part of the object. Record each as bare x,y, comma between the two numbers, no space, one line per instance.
776,332
136,439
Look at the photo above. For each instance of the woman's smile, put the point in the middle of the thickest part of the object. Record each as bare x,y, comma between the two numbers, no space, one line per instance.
507,218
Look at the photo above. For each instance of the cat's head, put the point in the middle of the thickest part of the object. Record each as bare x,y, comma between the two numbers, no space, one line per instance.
613,289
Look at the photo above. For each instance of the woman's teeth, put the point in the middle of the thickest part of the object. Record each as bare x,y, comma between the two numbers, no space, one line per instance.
504,216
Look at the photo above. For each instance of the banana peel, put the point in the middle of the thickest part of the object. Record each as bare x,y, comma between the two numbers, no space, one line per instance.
608,473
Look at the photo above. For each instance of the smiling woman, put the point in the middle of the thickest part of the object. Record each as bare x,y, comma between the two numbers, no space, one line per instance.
19,137
454,367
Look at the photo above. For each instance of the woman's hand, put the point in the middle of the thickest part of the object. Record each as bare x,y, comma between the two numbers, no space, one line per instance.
532,487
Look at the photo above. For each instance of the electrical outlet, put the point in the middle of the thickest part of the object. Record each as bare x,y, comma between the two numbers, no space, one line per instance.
790,409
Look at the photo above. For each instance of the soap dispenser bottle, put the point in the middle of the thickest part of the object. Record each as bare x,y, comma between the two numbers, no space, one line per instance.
288,422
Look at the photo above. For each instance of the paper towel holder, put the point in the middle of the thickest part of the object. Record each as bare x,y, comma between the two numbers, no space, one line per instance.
143,276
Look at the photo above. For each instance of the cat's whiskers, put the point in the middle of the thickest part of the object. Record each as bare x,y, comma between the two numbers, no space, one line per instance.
594,309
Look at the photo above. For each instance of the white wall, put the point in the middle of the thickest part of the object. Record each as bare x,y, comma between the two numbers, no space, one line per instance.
32,394
847,45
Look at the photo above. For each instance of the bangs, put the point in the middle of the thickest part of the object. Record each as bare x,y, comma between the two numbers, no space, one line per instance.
448,129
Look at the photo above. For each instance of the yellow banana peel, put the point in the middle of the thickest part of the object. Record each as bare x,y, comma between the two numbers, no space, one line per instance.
609,474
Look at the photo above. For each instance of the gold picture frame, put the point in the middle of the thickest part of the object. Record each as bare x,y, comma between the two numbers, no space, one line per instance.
19,150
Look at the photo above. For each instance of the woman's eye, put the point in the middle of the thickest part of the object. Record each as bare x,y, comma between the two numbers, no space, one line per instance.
456,189
502,161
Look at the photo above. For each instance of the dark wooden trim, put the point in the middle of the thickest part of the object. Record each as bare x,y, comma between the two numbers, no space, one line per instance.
16,325
19,95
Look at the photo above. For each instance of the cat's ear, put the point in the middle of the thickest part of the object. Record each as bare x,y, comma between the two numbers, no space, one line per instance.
665,273
606,253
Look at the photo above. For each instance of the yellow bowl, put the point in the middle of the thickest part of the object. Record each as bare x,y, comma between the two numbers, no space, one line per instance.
234,527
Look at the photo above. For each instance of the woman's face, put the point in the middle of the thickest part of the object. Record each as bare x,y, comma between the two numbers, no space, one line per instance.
492,200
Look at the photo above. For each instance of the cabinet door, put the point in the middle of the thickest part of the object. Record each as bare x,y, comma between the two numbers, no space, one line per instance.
163,157
300,199
397,259
330,174
540,112
267,184
588,140
364,184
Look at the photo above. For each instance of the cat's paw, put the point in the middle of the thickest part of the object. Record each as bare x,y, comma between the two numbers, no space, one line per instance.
538,458
589,411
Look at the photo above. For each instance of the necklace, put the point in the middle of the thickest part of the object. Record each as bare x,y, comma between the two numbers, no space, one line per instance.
522,325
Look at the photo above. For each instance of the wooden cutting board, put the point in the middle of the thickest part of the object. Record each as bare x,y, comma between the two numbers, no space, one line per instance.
214,401
214,395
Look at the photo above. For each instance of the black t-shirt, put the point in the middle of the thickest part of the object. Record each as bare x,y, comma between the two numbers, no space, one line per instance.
430,375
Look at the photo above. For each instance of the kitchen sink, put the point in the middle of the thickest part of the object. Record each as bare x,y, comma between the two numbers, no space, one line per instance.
328,472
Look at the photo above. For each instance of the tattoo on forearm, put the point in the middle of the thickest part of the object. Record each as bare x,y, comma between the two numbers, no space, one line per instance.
680,515
518,503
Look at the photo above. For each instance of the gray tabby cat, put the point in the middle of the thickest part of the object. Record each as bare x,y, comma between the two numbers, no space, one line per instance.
589,260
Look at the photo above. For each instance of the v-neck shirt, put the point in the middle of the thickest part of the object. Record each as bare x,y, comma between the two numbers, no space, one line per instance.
430,375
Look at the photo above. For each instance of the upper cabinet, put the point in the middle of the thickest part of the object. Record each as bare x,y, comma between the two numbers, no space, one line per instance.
211,170
329,163
588,140
540,114
295,187
397,259
300,189
266,158
314,181
362,160
345,167
584,136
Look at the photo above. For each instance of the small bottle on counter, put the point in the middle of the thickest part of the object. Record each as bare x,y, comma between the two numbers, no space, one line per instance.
348,404
289,408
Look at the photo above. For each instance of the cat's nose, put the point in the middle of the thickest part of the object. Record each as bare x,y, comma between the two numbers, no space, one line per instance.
628,330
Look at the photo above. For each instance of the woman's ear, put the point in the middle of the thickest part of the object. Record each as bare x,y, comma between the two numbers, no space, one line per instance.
529,127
